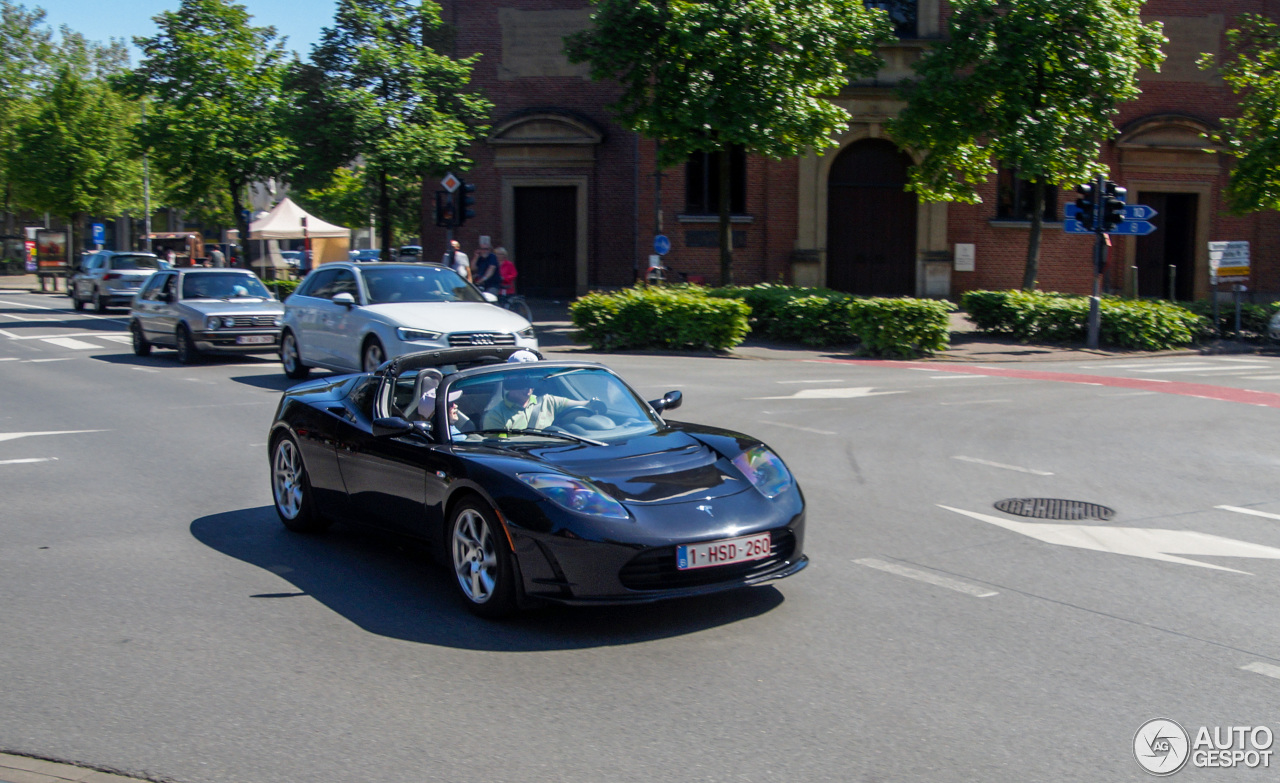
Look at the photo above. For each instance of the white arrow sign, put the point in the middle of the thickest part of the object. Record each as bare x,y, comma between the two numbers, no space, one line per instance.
830,394
1151,543
15,435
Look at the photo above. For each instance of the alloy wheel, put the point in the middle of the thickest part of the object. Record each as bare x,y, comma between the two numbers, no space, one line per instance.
286,479
475,556
374,356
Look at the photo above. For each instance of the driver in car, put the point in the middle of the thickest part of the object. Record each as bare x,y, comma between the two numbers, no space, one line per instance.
521,409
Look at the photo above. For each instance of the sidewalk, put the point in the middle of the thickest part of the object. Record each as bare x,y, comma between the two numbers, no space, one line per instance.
24,769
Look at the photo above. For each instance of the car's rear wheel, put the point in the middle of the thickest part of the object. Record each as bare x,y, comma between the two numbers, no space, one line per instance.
373,355
187,351
99,304
291,357
76,302
140,345
291,488
481,560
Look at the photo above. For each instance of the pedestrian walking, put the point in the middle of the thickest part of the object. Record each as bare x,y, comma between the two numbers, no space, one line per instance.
216,258
456,260
507,271
487,275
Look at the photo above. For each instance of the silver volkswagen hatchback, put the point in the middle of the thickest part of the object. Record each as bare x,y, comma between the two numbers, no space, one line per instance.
199,311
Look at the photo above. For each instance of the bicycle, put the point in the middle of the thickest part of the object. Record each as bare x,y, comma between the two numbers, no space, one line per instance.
516,304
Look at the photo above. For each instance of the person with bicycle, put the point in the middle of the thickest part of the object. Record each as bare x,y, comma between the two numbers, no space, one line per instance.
506,271
485,272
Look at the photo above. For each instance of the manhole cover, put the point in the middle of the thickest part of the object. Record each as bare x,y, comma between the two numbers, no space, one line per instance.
1052,508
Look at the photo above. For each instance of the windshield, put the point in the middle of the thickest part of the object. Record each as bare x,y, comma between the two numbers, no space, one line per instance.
524,402
418,284
135,262
223,285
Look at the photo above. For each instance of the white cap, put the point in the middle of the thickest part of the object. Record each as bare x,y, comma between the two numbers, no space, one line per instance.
426,405
523,355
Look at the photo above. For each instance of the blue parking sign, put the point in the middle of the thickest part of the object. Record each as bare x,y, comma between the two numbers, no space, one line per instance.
99,234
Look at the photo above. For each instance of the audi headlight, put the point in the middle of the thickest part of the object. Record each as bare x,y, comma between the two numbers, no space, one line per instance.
212,322
416,335
525,334
764,470
575,495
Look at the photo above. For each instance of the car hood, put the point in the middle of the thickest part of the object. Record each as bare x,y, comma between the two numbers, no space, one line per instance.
670,466
233,306
448,316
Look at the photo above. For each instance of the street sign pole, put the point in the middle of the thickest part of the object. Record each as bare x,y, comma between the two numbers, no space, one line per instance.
1099,259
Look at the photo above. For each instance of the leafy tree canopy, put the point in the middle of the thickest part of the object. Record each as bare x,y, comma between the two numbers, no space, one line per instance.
1253,72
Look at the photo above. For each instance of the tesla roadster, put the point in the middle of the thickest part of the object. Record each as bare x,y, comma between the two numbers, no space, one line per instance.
536,481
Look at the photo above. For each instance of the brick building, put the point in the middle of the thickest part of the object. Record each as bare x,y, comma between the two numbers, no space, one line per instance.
577,201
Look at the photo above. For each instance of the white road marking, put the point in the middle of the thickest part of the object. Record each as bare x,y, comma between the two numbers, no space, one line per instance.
830,394
26,306
72,343
1262,377
14,317
1266,669
145,369
1150,543
1249,511
974,402
1228,371
797,427
10,335
825,380
930,578
1192,368
27,460
15,435
224,405
977,461
116,338
1140,366
47,336
59,359
8,358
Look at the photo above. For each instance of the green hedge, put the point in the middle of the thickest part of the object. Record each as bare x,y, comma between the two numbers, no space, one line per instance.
282,288
902,327
1034,316
680,317
1253,318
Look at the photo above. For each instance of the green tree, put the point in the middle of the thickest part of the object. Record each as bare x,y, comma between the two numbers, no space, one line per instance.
381,89
26,49
74,156
709,75
213,121
1030,84
1253,73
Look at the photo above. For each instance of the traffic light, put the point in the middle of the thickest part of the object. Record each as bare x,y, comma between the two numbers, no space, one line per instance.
1113,205
444,209
465,201
1085,205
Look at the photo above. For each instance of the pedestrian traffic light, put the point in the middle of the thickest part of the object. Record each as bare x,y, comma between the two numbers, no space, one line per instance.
465,201
1113,205
1085,205
444,209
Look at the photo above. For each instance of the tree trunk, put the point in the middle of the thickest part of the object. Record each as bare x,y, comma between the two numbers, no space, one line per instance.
384,217
1033,242
726,228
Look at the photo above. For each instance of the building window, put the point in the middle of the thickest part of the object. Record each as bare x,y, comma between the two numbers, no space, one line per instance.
1015,198
901,12
702,183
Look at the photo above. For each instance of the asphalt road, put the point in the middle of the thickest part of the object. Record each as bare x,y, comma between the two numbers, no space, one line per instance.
158,621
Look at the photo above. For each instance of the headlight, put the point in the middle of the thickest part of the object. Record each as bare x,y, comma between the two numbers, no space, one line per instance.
228,321
279,320
575,495
764,470
525,334
212,323
416,335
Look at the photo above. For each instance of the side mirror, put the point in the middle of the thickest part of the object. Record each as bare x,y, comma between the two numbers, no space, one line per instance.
669,402
489,297
345,299
391,426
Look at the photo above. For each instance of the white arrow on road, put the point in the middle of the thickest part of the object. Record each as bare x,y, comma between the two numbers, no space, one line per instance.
1151,543
15,435
830,394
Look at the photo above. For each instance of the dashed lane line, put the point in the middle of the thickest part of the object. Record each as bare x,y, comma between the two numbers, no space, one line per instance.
27,460
927,577
1249,511
1003,466
798,427
15,435
1265,669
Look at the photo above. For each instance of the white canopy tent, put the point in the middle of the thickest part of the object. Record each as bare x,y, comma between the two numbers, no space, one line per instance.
287,220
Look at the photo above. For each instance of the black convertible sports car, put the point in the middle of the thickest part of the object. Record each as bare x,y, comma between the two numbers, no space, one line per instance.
536,480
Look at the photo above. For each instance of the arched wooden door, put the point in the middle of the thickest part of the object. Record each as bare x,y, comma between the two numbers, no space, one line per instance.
871,221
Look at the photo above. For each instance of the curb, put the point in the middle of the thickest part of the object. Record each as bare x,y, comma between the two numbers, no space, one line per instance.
25,769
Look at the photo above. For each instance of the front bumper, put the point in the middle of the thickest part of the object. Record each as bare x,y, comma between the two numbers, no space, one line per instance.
231,341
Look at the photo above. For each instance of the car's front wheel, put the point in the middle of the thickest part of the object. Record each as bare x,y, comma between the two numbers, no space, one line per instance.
291,488
480,559
373,355
140,345
291,358
187,351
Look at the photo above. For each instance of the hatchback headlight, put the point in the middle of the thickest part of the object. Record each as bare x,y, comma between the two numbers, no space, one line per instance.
212,323
228,321
575,495
279,320
416,335
764,469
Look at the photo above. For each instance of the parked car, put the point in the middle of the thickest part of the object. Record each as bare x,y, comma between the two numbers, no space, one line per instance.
602,502
409,253
292,257
365,254
351,317
111,278
201,310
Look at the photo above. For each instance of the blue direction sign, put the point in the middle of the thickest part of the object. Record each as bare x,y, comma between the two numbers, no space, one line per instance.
1139,212
1134,223
661,245
1135,227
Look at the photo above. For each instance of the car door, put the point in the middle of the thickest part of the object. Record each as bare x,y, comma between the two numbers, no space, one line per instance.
88,277
165,321
340,325
385,477
304,311
147,305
